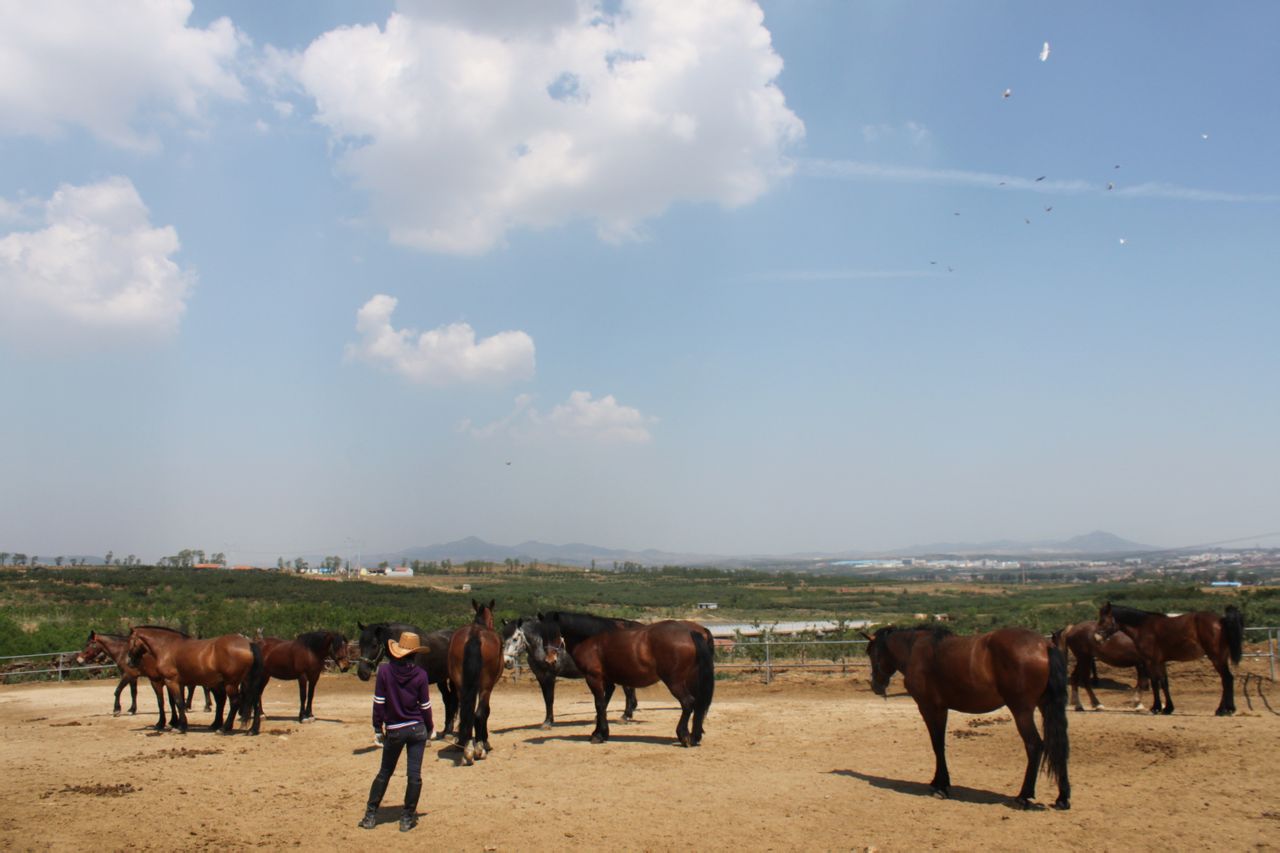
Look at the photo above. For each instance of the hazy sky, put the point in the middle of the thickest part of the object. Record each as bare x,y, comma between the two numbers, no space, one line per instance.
701,276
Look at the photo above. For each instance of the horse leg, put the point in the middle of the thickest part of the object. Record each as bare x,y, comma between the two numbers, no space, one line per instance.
221,693
158,687
602,692
1164,683
133,696
482,726
234,696
1025,719
629,712
312,680
450,697
687,700
115,707
1227,706
547,682
302,698
208,706
935,719
190,691
175,700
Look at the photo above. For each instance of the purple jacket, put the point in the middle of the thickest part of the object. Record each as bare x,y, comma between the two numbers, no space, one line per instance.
401,697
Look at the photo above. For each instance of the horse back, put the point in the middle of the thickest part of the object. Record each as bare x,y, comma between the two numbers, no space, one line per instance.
1117,650
981,673
1181,638
490,654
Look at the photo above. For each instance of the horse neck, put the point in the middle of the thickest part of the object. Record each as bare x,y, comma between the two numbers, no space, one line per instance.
484,618
117,648
901,643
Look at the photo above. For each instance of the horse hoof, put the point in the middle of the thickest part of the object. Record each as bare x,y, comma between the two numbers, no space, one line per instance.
546,725
1063,805
1167,711
597,739
1099,707
1224,712
939,794
116,712
1028,805
133,712
1079,708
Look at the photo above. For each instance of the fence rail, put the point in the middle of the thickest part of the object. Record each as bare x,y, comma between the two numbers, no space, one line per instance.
766,655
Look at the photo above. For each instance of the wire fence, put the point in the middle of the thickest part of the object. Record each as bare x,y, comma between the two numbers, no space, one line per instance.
767,655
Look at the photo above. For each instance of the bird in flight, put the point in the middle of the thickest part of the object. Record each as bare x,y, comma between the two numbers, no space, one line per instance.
1122,241
1044,52
1041,178
1110,186
1008,93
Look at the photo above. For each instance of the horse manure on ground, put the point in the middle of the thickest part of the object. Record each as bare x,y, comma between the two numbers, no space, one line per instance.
980,722
95,790
966,733
180,752
62,725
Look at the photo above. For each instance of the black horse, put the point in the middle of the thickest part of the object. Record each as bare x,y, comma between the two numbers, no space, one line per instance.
433,656
533,637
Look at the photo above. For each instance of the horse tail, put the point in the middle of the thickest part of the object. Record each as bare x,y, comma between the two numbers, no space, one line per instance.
1053,707
704,654
472,665
253,684
1233,629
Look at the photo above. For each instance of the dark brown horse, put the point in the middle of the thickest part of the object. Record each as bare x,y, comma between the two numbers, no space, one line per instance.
302,659
1011,667
475,665
116,648
679,654
1160,638
1117,650
230,666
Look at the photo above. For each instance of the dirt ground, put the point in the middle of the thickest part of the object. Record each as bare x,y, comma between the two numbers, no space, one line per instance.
813,763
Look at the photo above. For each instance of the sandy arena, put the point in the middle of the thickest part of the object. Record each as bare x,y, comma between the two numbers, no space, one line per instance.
805,763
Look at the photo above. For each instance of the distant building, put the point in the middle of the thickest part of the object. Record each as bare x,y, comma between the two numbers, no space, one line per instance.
708,605
399,572
1225,583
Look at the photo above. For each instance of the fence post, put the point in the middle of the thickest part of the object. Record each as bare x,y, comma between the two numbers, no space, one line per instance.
1273,645
59,667
768,661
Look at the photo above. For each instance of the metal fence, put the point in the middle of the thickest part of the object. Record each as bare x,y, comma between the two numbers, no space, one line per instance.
767,655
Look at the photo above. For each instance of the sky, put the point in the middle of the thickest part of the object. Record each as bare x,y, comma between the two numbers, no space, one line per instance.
716,277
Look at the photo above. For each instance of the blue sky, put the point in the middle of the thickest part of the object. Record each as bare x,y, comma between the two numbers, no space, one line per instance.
294,278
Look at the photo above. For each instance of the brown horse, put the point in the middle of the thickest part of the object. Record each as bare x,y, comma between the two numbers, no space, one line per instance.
1160,638
679,654
1010,667
1117,650
116,648
301,658
230,666
475,665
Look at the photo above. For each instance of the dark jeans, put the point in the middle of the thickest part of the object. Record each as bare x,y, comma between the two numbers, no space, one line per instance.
413,742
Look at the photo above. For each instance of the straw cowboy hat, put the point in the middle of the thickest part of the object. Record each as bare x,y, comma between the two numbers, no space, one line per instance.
408,644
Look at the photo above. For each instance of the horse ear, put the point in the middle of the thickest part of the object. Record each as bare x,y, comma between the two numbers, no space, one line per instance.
475,605
541,618
866,635
493,602
360,625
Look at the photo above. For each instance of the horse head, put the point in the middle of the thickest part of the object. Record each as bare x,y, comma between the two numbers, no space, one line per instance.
338,651
484,612
883,663
1107,624
371,649
92,650
138,646
514,642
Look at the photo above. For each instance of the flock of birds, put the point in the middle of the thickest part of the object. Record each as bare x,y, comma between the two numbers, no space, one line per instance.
1045,50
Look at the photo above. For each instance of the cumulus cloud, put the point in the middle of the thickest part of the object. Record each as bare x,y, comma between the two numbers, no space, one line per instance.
97,267
447,355
68,63
463,120
580,417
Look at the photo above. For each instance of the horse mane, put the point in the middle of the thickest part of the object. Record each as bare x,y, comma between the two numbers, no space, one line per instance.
182,634
582,625
936,632
546,631
317,641
1132,615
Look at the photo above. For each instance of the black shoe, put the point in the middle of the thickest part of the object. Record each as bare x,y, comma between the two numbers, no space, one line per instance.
370,819
408,822
409,818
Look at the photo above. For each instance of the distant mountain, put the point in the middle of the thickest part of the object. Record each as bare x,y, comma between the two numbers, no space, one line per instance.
580,554
1098,542
573,553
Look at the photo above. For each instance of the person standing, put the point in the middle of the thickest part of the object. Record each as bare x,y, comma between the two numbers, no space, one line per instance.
401,723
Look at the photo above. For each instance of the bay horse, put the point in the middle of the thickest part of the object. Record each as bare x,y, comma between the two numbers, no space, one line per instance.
475,665
1010,667
116,648
230,666
574,628
680,654
1117,650
301,658
433,656
1160,638
542,644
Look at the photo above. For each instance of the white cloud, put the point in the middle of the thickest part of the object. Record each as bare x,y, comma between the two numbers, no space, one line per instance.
911,132
96,65
99,267
580,417
601,419
463,120
447,355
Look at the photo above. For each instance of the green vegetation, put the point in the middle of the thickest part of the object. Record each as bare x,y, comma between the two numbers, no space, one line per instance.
48,609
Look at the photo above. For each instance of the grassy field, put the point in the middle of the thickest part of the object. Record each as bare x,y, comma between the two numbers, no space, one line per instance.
47,609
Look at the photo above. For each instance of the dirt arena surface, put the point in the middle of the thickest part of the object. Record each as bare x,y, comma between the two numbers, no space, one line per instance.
802,764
